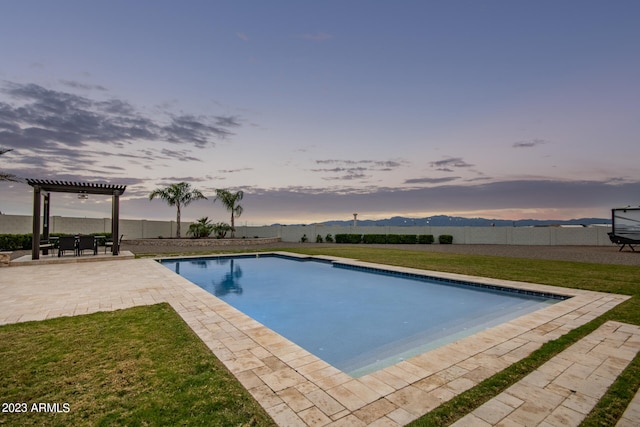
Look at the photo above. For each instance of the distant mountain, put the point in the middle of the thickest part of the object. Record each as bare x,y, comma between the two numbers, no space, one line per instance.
446,220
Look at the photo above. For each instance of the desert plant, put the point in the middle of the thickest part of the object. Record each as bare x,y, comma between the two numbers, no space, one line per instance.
221,229
201,228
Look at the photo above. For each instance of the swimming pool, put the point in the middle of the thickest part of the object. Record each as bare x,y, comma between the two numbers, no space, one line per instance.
357,319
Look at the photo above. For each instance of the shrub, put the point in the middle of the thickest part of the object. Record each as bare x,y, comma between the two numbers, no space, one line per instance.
15,242
221,229
318,239
409,239
304,238
393,239
445,239
348,238
201,228
329,238
374,238
426,239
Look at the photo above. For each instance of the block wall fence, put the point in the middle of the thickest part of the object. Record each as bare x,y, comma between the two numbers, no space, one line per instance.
144,229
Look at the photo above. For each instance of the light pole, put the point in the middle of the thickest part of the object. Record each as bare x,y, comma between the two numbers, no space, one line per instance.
355,219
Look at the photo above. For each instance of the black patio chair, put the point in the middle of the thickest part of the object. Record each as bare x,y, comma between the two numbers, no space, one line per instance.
109,243
66,243
87,243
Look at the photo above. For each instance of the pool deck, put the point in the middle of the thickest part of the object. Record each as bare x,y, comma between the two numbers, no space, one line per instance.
298,389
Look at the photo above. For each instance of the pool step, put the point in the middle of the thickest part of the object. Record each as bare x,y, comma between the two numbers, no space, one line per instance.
567,387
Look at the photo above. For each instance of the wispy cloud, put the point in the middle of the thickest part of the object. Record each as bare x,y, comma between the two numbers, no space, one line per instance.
355,169
529,144
431,180
446,165
242,36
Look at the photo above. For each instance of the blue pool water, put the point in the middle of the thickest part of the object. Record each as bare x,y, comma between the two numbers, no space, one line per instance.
358,321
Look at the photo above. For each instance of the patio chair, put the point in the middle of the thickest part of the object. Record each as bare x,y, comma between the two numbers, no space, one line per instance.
87,243
66,243
109,243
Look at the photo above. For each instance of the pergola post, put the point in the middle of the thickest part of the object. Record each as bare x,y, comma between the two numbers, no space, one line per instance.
115,222
35,233
45,220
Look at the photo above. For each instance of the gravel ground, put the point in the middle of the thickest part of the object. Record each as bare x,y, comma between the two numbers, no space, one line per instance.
594,254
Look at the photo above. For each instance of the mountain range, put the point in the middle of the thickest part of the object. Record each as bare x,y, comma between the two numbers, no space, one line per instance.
456,221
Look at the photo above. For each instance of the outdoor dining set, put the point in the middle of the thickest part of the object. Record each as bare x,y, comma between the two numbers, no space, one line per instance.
75,244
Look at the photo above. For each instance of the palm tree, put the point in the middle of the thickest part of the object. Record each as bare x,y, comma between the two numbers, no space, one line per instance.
7,176
229,201
177,195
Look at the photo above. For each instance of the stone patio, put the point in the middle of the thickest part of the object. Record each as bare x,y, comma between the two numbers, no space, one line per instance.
298,389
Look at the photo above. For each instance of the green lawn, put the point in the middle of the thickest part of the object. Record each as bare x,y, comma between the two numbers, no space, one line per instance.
144,366
136,367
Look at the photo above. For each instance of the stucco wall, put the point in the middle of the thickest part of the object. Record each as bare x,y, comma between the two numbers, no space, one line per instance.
143,229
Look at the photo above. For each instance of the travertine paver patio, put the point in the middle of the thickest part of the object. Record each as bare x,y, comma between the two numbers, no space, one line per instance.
564,390
295,387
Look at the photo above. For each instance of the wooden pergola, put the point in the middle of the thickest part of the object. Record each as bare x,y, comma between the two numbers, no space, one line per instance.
81,188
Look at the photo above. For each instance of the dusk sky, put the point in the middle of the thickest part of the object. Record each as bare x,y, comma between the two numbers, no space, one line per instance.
501,109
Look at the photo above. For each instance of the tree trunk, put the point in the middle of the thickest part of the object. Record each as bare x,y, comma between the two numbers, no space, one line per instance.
178,222
233,227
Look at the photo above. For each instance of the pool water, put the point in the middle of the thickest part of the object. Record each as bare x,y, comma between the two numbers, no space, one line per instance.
358,321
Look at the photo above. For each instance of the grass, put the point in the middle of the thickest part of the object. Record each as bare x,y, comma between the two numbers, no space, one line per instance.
127,377
140,366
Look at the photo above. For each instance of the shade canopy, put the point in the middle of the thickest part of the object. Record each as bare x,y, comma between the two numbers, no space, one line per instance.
76,187
53,186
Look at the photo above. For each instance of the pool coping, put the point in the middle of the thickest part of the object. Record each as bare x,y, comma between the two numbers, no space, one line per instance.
294,386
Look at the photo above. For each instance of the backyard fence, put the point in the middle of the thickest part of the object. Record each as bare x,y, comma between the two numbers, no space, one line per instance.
144,229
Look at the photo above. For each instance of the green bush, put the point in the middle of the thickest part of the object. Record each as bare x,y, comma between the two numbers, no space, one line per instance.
318,239
201,228
221,229
329,238
402,239
445,239
374,238
348,238
15,242
426,239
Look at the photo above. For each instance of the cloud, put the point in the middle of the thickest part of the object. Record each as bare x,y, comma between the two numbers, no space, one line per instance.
40,118
529,144
430,180
83,86
445,165
355,169
318,37
242,36
576,196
